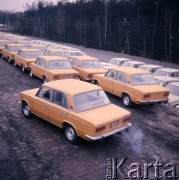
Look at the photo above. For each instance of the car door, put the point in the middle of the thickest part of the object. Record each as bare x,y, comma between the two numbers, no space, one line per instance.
39,67
107,82
58,108
119,84
41,102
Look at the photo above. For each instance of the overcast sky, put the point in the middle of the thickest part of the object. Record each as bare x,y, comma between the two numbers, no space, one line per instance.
17,5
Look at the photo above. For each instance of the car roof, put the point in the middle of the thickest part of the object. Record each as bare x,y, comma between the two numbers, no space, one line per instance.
169,70
121,59
135,62
72,86
81,58
50,58
165,78
151,66
175,84
15,45
30,50
56,50
129,70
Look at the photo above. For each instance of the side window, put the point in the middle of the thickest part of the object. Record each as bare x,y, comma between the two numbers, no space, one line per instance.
43,63
60,99
46,52
19,53
71,61
121,77
44,93
38,61
111,74
76,63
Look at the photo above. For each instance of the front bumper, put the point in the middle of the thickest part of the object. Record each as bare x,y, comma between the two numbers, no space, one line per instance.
153,101
94,138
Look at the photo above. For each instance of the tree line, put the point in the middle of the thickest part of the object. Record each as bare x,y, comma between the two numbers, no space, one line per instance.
147,28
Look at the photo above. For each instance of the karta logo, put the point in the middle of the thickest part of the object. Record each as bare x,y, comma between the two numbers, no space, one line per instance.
115,168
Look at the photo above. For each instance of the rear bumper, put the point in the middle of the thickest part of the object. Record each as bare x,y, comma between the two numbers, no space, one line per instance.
94,138
153,101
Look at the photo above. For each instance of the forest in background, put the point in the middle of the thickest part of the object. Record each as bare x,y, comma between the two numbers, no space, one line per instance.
147,28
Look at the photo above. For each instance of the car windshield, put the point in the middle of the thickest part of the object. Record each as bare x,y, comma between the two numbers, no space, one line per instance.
173,89
142,79
59,64
33,54
158,81
143,67
91,64
160,73
15,48
74,53
90,100
58,54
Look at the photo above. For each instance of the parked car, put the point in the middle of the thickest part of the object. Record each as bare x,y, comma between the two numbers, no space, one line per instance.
174,94
3,44
132,85
167,72
26,43
10,51
62,53
150,67
36,46
132,64
50,68
114,62
81,109
26,56
87,66
164,80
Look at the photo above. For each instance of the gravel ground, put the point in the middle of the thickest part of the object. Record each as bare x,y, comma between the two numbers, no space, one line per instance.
35,149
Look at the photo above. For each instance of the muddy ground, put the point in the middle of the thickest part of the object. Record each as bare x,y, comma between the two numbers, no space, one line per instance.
35,149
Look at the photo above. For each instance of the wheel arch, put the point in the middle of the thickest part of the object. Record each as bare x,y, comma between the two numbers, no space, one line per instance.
65,122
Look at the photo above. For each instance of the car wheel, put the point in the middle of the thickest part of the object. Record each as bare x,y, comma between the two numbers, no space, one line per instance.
9,60
45,79
71,134
31,74
23,69
15,65
26,110
126,100
96,83
176,106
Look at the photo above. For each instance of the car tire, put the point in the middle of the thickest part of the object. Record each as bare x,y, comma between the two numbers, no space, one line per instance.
23,69
96,82
176,106
2,57
45,79
71,134
26,110
31,74
15,65
9,60
126,100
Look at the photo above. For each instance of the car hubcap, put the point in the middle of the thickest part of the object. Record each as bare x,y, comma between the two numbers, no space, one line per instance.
31,75
23,69
9,60
70,133
14,64
126,100
45,80
26,110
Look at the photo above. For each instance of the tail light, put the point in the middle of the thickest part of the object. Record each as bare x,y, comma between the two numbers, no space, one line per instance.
166,94
75,76
126,119
146,95
90,75
100,128
56,77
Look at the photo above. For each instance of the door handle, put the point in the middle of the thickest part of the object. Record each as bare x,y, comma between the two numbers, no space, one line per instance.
45,105
63,113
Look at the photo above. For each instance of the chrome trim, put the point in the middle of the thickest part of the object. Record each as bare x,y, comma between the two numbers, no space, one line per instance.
94,138
152,101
